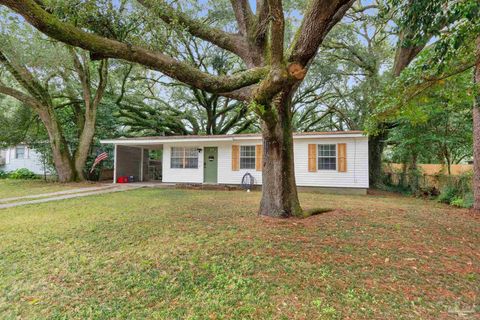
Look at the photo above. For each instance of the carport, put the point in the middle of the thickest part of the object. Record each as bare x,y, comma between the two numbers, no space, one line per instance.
132,158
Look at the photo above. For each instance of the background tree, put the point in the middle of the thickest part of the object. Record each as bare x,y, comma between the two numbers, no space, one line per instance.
150,104
435,126
456,26
47,87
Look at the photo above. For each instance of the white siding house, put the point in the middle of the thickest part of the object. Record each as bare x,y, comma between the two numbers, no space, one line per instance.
21,156
322,159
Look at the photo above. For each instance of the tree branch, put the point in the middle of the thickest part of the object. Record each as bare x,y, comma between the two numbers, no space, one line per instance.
105,47
406,53
262,23
277,30
102,84
319,19
228,41
243,14
84,79
20,96
25,79
124,83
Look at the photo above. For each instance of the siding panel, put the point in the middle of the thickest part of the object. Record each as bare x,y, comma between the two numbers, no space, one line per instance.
181,175
355,176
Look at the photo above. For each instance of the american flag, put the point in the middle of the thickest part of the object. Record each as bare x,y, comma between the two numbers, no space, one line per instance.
102,156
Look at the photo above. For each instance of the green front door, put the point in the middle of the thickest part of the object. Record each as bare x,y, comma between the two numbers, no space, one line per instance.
210,163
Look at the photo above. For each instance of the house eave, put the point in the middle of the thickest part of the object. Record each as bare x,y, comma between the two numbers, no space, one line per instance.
156,141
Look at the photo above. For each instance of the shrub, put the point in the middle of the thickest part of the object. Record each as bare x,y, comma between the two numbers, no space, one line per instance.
458,191
3,175
468,200
457,202
447,194
22,174
465,202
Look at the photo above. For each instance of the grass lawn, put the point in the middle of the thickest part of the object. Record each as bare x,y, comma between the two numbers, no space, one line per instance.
17,188
169,254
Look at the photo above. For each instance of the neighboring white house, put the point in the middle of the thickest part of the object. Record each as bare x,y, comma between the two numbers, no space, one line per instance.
21,156
322,159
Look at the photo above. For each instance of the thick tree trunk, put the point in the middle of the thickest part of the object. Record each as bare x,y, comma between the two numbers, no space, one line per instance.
376,144
85,142
476,132
279,189
61,155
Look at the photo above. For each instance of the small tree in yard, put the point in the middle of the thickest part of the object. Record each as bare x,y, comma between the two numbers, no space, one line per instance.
269,82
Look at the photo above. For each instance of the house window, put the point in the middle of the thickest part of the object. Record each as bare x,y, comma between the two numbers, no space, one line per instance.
247,157
184,158
327,157
20,152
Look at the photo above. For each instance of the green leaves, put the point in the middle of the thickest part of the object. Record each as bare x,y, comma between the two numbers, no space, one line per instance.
436,125
452,24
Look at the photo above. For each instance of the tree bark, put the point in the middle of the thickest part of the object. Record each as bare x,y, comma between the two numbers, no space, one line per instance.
61,155
376,144
87,131
476,132
84,145
279,190
60,152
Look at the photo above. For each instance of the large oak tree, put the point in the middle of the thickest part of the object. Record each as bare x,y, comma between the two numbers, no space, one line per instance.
274,69
33,87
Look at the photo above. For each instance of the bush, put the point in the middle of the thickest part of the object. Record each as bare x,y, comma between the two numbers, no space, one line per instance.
22,174
448,194
458,191
466,202
457,202
3,175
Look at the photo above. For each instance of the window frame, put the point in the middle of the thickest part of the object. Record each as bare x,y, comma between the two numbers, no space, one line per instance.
184,155
322,156
23,153
249,157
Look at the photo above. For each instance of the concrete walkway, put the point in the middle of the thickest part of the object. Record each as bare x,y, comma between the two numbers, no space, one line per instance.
67,194
57,193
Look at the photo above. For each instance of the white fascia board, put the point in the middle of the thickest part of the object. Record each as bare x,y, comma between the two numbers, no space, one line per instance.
159,141
207,139
330,136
